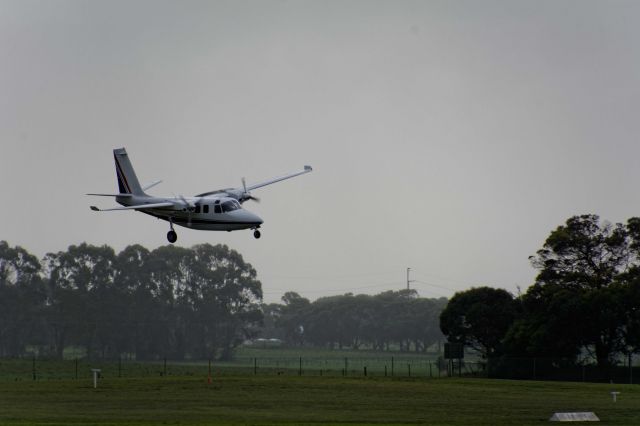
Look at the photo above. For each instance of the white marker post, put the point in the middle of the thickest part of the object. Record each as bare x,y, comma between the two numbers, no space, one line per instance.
614,395
96,371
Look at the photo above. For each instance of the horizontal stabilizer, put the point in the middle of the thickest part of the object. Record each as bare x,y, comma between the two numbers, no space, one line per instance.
112,195
138,207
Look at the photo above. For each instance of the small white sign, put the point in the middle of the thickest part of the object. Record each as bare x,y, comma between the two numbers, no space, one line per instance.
96,372
588,416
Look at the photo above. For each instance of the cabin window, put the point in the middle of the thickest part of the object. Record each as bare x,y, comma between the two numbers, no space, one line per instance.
205,208
217,208
197,210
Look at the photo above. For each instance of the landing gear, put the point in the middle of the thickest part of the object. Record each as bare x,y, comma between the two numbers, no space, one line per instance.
256,234
171,235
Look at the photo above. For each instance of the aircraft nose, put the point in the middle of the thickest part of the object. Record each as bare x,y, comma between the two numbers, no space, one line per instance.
255,218
251,217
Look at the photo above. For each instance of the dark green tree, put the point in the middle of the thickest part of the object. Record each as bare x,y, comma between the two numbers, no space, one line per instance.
572,301
292,317
271,314
479,318
22,300
141,327
423,327
81,298
220,300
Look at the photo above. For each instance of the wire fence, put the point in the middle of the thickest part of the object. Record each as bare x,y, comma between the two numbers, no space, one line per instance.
548,369
562,370
359,366
50,369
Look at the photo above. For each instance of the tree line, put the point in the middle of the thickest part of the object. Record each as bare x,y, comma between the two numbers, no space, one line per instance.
184,303
391,320
585,302
170,302
206,300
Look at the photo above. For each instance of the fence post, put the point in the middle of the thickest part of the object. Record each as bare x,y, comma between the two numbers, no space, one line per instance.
76,368
534,369
365,371
345,365
430,375
385,370
164,369
391,366
255,366
630,369
409,369
300,368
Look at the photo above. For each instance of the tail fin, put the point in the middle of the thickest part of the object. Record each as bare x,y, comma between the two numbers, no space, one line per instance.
127,179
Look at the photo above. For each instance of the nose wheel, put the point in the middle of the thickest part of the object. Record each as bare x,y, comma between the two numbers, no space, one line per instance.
256,234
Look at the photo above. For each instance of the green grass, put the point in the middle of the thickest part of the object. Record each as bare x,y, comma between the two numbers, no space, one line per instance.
246,399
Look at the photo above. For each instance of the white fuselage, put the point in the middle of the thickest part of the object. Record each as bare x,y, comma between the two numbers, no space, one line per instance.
213,213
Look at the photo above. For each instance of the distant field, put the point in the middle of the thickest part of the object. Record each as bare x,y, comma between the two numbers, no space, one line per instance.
270,399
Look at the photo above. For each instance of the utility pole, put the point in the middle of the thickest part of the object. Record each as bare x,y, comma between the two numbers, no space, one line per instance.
408,280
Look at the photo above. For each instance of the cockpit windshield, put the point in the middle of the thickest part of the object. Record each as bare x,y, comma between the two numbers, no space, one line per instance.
231,205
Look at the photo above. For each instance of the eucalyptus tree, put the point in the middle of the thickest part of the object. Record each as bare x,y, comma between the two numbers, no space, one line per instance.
140,331
221,297
423,326
80,284
292,318
22,300
169,272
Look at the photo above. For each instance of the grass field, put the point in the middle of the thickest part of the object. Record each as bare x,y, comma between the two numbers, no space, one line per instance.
269,399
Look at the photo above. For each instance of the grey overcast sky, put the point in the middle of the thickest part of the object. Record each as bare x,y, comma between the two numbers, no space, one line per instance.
446,136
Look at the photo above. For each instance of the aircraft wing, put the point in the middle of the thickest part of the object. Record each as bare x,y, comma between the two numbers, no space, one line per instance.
242,194
307,169
138,207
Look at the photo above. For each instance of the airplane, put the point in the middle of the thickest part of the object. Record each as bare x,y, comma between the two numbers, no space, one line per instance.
219,210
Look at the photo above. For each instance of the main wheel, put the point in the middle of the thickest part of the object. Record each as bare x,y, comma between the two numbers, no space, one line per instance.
256,234
172,236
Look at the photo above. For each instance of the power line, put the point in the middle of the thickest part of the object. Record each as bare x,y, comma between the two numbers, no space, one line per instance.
325,277
343,289
434,285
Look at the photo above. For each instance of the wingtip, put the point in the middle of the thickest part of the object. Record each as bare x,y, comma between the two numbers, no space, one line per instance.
308,168
94,208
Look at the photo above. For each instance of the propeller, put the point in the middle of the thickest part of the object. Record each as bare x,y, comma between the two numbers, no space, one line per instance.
246,195
188,204
191,207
